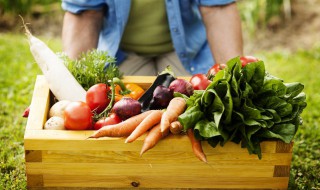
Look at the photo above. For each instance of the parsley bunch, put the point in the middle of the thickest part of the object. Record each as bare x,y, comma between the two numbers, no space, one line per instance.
89,68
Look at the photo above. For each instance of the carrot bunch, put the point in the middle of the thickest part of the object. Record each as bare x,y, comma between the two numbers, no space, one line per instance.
156,123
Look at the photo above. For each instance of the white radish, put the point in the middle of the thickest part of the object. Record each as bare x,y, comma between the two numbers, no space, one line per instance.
61,82
54,123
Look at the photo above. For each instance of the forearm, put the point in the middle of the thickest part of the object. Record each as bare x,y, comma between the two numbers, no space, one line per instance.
223,27
80,32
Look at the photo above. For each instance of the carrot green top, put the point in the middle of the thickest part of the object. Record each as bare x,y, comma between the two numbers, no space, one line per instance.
147,31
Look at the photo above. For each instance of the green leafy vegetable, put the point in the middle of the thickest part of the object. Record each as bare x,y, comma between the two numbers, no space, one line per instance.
90,68
245,105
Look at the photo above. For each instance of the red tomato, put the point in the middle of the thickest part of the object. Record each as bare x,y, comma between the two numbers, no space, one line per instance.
97,97
247,59
78,116
110,120
199,81
215,69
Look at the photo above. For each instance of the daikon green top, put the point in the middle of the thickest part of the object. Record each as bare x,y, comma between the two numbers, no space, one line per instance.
147,31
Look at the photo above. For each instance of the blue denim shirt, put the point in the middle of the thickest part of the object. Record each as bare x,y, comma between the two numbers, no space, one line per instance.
187,29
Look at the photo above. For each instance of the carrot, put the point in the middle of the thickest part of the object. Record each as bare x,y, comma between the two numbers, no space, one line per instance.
152,119
176,107
176,127
122,129
153,137
196,146
60,80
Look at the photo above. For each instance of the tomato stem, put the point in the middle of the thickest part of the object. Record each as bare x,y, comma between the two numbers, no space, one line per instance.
107,110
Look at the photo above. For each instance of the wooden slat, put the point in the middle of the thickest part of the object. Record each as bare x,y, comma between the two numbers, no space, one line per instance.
161,157
77,140
163,182
39,105
169,170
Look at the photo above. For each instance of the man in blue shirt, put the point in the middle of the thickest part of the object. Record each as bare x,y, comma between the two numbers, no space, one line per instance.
147,35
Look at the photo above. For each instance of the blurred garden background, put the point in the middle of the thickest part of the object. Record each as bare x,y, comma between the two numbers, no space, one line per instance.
285,34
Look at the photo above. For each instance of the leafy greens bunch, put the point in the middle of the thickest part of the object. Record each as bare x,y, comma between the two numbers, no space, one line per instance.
245,105
90,69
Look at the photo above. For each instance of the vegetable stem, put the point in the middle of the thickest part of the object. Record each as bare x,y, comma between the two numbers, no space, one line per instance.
106,111
124,90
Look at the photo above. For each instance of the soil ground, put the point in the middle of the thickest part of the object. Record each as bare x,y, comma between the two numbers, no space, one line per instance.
302,31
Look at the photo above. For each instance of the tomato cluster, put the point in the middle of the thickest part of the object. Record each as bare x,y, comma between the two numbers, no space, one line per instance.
95,112
201,81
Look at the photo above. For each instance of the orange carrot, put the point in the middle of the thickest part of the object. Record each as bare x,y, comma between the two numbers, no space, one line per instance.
176,107
153,137
176,127
196,146
122,129
152,119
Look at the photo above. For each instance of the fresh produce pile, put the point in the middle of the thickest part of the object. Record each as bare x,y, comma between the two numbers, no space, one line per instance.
246,104
238,101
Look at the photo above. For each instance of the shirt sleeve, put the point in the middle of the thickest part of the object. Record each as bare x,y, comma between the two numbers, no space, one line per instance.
214,2
77,6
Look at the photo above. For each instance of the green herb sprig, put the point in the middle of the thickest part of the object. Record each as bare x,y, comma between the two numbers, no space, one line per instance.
89,68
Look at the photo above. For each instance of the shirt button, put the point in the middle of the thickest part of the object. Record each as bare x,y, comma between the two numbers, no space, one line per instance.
175,29
192,68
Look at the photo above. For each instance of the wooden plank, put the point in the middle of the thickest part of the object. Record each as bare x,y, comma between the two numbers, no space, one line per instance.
169,170
163,182
161,157
77,140
39,105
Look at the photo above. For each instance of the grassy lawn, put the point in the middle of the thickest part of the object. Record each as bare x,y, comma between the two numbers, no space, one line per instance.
18,73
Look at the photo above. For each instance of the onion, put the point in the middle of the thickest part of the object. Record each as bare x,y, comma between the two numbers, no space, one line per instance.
126,108
182,86
161,97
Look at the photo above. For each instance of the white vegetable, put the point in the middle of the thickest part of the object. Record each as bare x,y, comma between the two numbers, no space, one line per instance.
61,82
54,123
58,108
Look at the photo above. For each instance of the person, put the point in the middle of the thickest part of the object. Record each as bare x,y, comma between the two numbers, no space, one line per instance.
145,36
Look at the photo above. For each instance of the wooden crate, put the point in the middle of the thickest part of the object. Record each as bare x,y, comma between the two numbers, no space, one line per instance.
67,159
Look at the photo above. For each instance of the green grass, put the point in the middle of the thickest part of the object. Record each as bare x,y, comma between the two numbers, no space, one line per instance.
302,66
18,73
17,76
